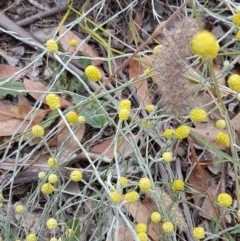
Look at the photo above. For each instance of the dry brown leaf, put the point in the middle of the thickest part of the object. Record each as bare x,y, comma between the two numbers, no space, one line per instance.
236,122
136,69
7,71
124,233
82,45
34,87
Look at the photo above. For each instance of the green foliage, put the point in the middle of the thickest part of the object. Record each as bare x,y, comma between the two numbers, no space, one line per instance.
11,87
74,224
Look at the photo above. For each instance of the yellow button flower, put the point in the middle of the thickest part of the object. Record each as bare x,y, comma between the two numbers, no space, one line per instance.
52,162
125,104
156,217
115,197
52,223
141,228
19,209
199,233
73,43
224,200
76,176
234,82
220,124
178,185
69,232
157,50
223,139
123,181
53,101
167,157
182,132
52,46
93,73
205,45
169,133
47,188
72,117
31,237
53,178
81,119
168,227
41,175
198,115
132,196
144,184
142,236
149,108
123,114
37,131
236,19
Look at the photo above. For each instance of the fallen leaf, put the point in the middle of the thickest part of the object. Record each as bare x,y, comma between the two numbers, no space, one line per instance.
236,122
7,71
136,69
124,233
82,45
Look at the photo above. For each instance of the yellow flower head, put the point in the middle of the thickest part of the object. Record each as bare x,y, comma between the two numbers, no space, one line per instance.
123,181
182,132
37,131
224,200
142,236
199,233
198,115
51,46
53,101
157,50
69,232
81,119
205,45
236,19
156,217
220,124
144,184
93,73
146,123
238,35
234,82
52,223
31,237
178,185
167,157
53,178
125,104
223,139
72,117
169,133
115,197
19,209
131,196
76,176
123,114
73,43
47,188
141,228
41,175
52,162
168,227
149,108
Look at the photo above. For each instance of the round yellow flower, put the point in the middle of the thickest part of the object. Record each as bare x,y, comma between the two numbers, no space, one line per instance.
223,139
31,237
142,236
69,232
53,178
47,188
167,157
146,123
41,175
157,50
115,197
81,119
205,45
182,132
199,233
168,227
19,209
238,35
53,101
52,162
149,108
76,176
51,46
93,73
73,43
220,124
37,131
123,114
144,184
236,19
224,200
72,117
132,196
234,82
52,223
178,185
198,115
123,181
169,133
125,104
156,217
141,228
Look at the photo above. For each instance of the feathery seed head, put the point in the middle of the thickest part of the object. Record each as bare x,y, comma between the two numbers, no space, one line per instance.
156,217
131,196
53,101
205,44
93,73
236,19
199,233
224,200
72,117
76,176
144,184
168,227
123,114
37,131
182,132
198,115
51,46
220,124
223,139
178,185
234,82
